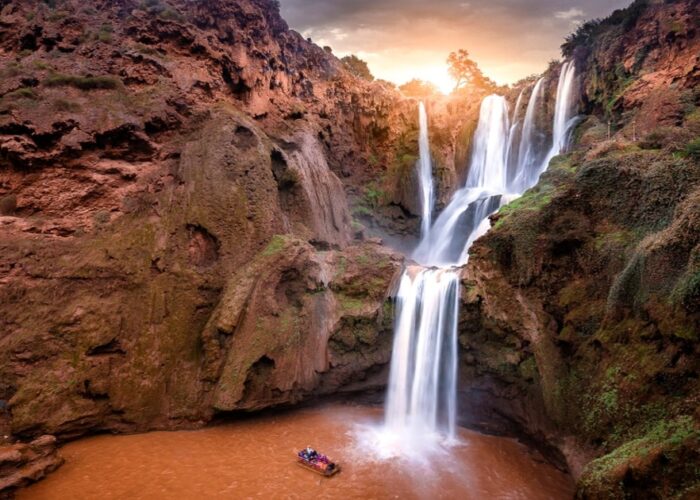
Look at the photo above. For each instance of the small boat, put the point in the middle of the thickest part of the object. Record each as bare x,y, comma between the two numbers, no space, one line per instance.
312,460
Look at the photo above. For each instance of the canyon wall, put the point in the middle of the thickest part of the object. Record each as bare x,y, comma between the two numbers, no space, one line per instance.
192,198
177,187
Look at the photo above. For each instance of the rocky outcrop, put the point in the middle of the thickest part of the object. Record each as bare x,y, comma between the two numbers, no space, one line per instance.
295,322
22,464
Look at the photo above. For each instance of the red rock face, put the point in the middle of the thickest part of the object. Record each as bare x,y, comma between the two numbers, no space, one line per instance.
152,157
185,194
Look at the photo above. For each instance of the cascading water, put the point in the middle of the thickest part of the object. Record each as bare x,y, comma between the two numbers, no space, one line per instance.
526,169
421,398
564,111
425,171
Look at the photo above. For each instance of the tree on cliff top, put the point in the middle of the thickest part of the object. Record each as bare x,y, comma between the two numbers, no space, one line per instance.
464,71
418,88
357,67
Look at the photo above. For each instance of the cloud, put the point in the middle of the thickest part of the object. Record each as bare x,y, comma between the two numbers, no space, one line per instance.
572,13
509,39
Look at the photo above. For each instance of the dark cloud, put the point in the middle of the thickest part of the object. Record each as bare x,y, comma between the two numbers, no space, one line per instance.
509,38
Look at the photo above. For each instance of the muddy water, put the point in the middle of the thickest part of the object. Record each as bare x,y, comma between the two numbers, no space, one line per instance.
256,459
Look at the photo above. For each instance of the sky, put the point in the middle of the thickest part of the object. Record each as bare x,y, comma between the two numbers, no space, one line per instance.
405,39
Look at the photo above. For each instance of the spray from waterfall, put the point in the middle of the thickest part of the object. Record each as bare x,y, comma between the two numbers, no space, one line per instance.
421,403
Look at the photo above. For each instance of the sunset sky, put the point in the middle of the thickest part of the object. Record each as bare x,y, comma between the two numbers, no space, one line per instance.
404,39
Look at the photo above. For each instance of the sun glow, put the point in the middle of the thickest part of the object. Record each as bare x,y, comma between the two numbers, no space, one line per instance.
440,78
437,75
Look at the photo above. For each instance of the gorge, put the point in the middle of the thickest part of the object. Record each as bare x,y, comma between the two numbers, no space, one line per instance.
207,219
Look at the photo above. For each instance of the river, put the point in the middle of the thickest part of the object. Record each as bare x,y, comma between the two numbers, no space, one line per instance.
255,458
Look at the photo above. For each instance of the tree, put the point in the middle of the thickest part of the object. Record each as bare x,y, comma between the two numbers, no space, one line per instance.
583,36
357,67
418,88
464,71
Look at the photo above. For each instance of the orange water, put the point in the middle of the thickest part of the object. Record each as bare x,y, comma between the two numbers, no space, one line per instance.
256,459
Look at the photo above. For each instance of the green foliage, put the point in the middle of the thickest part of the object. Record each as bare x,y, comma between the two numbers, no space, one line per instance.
82,82
275,246
583,36
104,35
41,65
587,32
357,67
171,14
350,304
162,10
373,196
692,149
22,93
687,291
533,200
57,16
65,105
666,434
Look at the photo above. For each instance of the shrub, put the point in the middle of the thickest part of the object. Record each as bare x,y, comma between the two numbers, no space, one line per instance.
82,82
170,14
41,65
357,67
692,149
64,105
105,33
669,138
22,93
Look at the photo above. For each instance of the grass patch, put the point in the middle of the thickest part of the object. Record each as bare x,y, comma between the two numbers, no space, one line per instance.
667,434
82,82
22,93
533,200
692,149
104,35
275,246
41,65
350,304
65,105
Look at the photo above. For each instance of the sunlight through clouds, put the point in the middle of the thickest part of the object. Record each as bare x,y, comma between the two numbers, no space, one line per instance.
406,39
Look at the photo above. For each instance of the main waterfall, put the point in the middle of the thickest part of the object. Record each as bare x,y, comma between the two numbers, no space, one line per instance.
507,159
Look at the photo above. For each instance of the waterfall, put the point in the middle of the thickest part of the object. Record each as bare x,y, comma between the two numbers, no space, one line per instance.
421,398
529,160
464,218
564,111
425,170
422,384
513,133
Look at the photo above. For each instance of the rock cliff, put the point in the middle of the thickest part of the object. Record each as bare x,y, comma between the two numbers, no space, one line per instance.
177,236
190,195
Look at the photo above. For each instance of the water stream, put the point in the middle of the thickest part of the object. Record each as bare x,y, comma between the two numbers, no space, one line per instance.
421,403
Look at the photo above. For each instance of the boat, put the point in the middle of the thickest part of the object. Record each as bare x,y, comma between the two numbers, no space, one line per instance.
310,459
